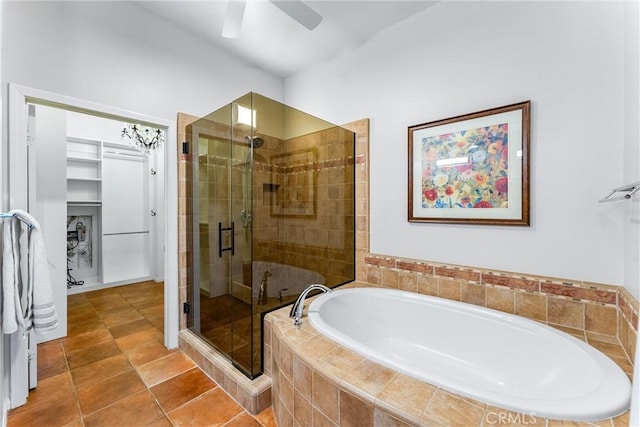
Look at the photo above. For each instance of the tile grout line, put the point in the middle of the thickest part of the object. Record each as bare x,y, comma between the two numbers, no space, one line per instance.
73,384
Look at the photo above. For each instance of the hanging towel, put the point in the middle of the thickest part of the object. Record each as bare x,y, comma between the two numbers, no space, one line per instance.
40,309
12,285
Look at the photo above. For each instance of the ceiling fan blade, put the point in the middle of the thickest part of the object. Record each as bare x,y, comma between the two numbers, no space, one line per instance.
300,12
233,18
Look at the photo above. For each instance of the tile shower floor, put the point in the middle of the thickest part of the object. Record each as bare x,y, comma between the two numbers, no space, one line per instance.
112,369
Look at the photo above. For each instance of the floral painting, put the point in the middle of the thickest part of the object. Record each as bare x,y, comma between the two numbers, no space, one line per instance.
466,169
471,169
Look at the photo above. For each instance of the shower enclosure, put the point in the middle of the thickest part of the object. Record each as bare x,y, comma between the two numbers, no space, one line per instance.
273,212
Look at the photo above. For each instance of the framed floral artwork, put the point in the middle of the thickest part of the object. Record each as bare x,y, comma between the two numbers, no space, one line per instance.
471,169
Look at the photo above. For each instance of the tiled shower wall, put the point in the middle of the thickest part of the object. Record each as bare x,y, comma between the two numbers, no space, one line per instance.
213,203
303,204
577,306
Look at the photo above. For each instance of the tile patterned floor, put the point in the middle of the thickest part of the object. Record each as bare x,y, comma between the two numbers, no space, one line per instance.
113,370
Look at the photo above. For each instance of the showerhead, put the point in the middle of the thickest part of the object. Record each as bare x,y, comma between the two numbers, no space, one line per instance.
255,142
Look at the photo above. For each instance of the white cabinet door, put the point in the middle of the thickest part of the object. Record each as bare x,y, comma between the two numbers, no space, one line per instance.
125,218
125,194
50,202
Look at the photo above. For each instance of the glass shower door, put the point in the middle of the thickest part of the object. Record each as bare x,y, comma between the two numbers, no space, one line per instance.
242,216
221,292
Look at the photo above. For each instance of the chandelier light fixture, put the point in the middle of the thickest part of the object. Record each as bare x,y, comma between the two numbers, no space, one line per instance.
144,138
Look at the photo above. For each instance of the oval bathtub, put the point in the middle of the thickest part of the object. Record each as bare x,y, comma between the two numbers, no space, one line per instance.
484,354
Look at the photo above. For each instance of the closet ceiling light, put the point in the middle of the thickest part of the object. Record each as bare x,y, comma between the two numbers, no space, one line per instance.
143,138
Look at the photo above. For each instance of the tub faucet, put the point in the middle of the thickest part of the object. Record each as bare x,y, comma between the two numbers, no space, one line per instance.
298,306
262,295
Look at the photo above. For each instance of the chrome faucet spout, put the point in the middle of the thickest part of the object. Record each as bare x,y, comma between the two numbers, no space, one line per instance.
298,306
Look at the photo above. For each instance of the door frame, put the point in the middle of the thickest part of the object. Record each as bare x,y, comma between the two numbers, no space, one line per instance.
18,173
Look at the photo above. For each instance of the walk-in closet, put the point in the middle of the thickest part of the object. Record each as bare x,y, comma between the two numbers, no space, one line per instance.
103,190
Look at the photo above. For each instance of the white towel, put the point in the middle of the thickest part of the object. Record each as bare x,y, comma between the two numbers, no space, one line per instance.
37,296
12,279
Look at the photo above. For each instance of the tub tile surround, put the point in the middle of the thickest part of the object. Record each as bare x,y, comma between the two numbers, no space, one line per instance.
319,382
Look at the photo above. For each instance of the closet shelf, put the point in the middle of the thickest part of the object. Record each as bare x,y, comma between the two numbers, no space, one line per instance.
83,159
84,202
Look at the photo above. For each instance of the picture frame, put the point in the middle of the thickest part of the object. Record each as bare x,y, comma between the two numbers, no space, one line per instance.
471,169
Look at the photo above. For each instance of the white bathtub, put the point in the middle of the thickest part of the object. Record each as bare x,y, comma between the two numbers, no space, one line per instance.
487,355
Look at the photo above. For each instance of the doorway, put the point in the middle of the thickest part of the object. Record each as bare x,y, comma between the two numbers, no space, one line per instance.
21,174
108,190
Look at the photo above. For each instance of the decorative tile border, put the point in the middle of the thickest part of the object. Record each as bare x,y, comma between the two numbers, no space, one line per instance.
605,294
579,293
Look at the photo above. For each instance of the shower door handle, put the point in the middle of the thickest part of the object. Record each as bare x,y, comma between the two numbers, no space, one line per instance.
233,239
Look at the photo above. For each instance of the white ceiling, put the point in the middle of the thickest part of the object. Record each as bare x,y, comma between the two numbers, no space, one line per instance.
275,42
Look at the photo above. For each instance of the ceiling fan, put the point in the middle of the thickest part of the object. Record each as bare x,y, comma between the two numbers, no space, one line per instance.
296,9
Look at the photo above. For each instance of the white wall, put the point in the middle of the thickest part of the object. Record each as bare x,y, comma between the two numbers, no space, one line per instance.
117,54
4,377
460,57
